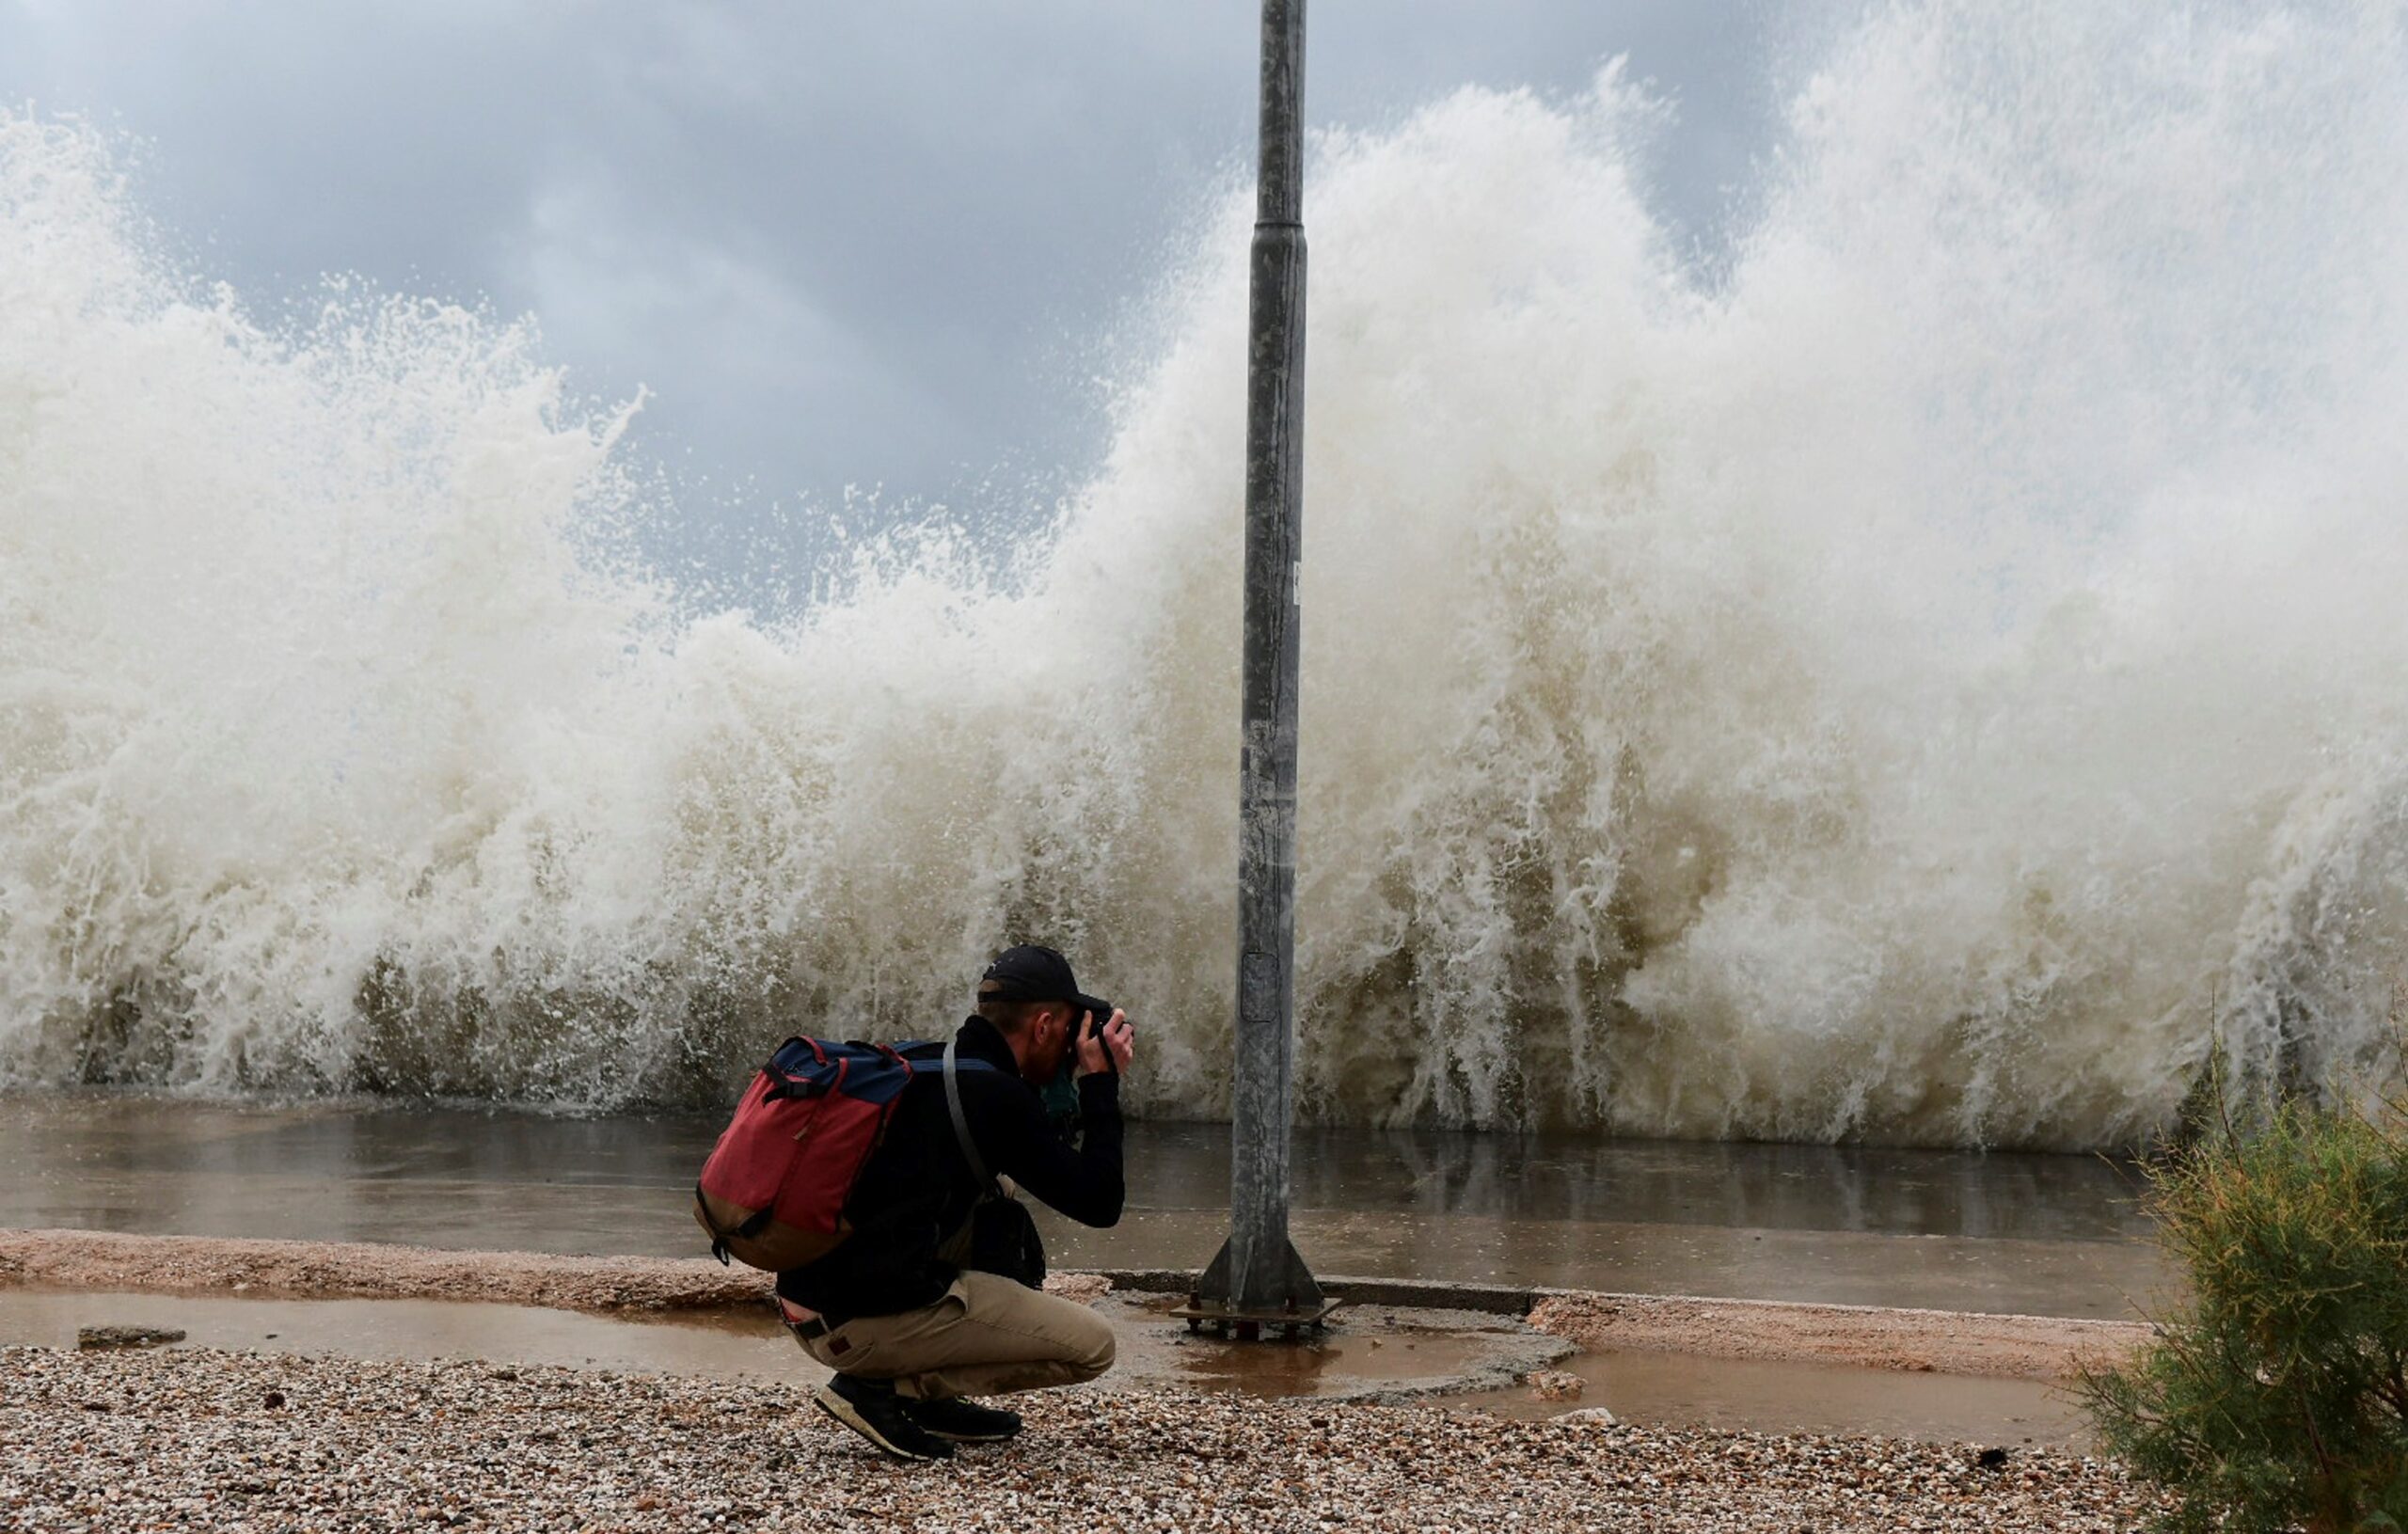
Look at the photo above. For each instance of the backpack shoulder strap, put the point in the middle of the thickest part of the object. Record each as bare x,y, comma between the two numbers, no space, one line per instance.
961,1120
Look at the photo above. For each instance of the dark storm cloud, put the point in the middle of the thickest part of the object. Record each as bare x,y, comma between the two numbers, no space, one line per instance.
857,244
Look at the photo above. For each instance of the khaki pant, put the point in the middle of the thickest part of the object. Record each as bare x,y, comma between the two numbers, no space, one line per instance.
988,1337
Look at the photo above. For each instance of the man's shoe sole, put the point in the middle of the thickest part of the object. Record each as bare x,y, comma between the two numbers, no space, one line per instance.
842,1410
973,1437
963,1435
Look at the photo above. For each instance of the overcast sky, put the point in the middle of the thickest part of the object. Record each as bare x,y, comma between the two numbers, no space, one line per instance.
879,245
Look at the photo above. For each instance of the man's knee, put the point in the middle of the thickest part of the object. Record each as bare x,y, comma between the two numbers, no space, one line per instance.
1095,1346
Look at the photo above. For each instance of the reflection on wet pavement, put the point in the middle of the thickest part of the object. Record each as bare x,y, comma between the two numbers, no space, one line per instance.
1302,1368
2045,1234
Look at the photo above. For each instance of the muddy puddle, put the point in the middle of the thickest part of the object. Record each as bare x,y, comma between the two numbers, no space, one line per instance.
1379,1353
1674,1390
721,1344
1345,1362
1371,1352
1456,1359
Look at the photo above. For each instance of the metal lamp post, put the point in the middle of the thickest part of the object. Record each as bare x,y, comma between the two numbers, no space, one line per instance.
1258,1279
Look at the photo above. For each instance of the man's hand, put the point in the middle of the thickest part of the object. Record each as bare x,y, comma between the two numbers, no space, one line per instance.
1115,1037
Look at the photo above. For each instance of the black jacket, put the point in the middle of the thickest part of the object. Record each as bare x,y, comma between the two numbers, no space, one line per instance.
917,1189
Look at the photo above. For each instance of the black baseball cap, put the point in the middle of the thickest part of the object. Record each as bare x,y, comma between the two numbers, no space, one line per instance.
1031,974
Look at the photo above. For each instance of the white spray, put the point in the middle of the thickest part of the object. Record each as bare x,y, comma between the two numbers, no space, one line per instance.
1903,684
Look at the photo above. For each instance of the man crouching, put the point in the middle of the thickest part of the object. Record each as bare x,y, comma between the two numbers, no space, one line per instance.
900,1310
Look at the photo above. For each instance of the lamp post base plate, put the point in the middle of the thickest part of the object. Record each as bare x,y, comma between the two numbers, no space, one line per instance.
1287,1301
1252,1325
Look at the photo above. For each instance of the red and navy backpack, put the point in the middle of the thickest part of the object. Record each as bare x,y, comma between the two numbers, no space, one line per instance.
772,1194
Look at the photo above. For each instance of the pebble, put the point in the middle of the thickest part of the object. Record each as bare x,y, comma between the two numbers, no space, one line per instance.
185,1439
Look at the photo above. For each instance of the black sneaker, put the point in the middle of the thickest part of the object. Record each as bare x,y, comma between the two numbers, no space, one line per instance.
872,1409
963,1421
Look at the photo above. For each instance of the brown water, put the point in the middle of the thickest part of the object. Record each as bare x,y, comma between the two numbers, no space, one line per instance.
726,1347
2057,1235
1466,1360
1674,1390
1378,1349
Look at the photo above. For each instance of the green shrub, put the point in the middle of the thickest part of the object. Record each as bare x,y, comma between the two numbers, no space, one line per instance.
2276,1397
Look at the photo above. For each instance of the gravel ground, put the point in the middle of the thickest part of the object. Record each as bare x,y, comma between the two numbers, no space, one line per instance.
193,1439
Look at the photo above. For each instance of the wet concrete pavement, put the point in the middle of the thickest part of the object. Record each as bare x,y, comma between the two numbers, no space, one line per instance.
2056,1235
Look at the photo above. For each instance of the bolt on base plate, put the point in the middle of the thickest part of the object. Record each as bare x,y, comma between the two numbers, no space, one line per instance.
1275,1291
1291,1321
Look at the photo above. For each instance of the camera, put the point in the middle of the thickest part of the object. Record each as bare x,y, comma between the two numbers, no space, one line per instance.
1100,1018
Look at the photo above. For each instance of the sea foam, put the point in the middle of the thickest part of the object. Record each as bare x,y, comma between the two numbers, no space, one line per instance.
1931,671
